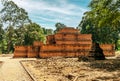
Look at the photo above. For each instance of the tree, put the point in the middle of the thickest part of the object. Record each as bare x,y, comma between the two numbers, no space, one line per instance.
1,36
59,26
1,31
105,12
33,33
102,21
47,31
12,17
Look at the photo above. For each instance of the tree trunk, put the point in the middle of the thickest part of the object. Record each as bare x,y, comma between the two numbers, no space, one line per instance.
8,47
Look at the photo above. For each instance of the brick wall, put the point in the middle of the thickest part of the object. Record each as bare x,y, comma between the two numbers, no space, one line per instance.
108,49
68,42
20,51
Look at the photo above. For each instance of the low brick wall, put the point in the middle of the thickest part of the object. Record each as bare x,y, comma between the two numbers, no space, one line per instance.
74,42
37,43
20,51
33,52
69,50
108,49
63,54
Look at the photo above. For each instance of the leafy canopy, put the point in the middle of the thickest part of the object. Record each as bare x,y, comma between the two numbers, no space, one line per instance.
102,21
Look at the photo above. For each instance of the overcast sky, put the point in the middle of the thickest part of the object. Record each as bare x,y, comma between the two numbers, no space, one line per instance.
48,12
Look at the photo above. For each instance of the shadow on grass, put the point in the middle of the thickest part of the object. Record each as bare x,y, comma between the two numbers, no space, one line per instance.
108,65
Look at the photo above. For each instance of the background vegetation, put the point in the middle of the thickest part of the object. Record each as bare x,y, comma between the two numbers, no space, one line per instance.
102,21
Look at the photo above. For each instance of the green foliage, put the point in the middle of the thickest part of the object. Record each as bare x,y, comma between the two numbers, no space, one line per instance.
19,35
47,31
1,32
59,26
19,28
118,45
3,46
33,33
12,17
102,21
29,33
105,12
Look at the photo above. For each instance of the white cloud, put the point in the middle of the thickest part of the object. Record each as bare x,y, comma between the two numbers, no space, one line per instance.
61,7
48,11
69,21
1,5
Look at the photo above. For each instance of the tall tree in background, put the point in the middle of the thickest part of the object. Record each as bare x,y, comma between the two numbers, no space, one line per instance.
12,16
102,21
1,31
59,26
1,36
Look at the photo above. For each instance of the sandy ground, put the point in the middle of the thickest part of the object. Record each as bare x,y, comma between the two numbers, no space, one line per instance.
1,63
11,69
59,69
70,69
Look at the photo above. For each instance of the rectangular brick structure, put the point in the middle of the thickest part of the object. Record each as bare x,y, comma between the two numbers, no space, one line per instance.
20,51
68,42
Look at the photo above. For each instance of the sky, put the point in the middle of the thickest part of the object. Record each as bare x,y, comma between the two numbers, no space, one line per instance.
47,13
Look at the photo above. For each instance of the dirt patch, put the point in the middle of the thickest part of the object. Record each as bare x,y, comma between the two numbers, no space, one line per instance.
70,69
1,63
6,55
117,54
107,65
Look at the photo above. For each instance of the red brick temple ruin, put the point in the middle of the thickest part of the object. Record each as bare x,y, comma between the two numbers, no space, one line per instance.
68,42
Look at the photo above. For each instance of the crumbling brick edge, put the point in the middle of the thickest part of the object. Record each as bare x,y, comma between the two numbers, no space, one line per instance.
28,72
